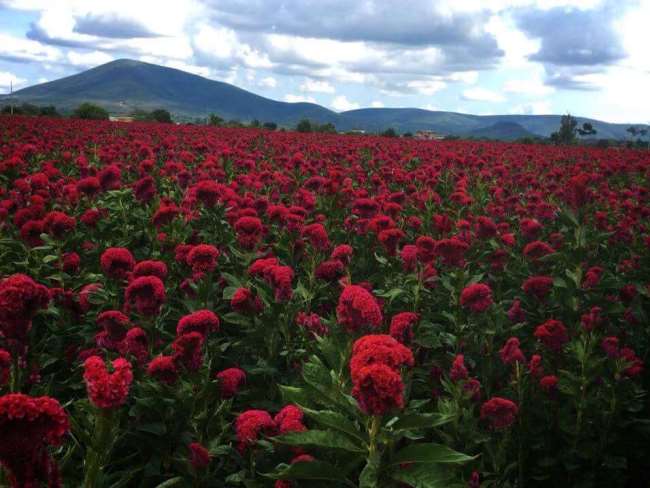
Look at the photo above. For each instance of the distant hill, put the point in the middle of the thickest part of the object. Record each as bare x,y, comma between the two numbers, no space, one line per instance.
505,131
124,85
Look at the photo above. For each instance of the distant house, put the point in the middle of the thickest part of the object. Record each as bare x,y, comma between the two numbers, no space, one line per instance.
428,135
120,118
356,131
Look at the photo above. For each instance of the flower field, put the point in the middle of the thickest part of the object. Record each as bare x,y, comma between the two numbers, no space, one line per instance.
198,307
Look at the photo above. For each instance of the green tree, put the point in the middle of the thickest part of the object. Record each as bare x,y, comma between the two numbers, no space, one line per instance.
304,126
49,111
214,119
390,132
270,125
90,111
256,124
160,115
587,130
567,132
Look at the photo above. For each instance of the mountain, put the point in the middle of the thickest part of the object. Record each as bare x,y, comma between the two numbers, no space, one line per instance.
504,131
125,85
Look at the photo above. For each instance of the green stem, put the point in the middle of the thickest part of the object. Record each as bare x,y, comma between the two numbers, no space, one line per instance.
375,425
97,454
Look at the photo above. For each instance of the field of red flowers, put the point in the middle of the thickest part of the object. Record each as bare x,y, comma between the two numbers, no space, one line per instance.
199,307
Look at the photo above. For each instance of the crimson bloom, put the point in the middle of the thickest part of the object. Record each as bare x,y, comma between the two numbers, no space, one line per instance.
107,390
199,456
147,293
250,424
358,309
117,262
499,412
230,380
378,389
477,297
552,334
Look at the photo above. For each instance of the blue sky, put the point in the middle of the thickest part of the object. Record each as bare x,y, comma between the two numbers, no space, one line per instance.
587,57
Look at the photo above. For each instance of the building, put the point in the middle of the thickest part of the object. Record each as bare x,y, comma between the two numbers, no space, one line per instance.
428,135
120,118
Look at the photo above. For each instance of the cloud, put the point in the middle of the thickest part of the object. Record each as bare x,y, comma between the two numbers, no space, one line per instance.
89,59
268,82
112,26
482,95
530,86
317,86
25,50
341,104
542,107
426,87
7,79
377,104
299,98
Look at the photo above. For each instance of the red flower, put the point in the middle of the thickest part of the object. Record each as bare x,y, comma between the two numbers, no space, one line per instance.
452,251
136,344
592,277
117,262
538,286
537,249
188,350
477,297
510,352
199,456
115,324
249,231
548,383
409,255
330,270
230,380
358,309
378,389
499,412
163,368
243,301
71,263
201,321
207,192
289,419
107,390
552,334
317,236
20,299
401,326
530,229
390,239
202,258
535,365
58,224
28,425
591,319
5,367
516,313
458,370
147,293
312,323
380,348
634,364
249,425
343,253
280,278
150,268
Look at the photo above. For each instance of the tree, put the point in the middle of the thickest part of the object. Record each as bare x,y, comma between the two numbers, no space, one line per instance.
304,126
632,130
567,132
270,125
587,130
90,111
390,132
49,111
256,124
161,115
214,119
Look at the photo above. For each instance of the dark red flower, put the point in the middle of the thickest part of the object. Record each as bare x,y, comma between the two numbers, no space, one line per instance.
243,301
188,350
511,353
164,369
358,309
147,293
401,326
249,231
202,321
499,412
199,456
538,286
150,268
5,367
312,323
249,425
458,369
202,258
230,380
20,299
477,297
117,262
552,334
378,389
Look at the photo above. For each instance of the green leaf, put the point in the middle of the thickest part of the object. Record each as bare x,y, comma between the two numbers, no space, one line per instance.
49,258
369,477
235,318
423,476
170,482
229,291
421,421
320,438
293,394
311,470
429,453
335,421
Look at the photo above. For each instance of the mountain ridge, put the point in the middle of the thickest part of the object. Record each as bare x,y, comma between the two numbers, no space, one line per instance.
124,85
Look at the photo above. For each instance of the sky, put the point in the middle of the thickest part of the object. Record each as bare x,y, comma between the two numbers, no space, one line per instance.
586,57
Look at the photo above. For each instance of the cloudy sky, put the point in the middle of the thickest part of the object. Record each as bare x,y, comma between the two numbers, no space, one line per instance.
588,57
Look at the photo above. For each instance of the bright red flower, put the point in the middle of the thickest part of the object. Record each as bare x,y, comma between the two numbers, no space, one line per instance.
250,424
499,412
378,389
477,297
107,390
358,309
164,369
117,262
150,268
243,301
289,419
538,286
230,380
511,353
202,321
202,258
401,326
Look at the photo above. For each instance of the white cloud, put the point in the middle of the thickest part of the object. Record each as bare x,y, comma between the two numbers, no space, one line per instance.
317,86
479,94
467,77
88,60
341,104
534,87
533,108
298,98
7,79
268,82
377,104
27,50
426,87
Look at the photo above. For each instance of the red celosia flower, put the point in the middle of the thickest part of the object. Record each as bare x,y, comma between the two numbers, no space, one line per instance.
71,263
249,231
511,353
147,293
390,239
117,262
202,258
201,321
591,319
452,251
358,309
537,249
548,383
20,299
530,229
58,224
250,424
280,278
28,425
136,344
207,192
89,186
535,365
230,380
289,419
409,256
188,350
115,324
458,369
243,301
317,236
199,456
634,363
515,313
330,270
401,326
426,249
477,297
538,286
499,412
31,231
485,228
312,323
150,268
107,390
553,334
379,348
144,189
378,389
164,369
592,277
260,267
342,252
